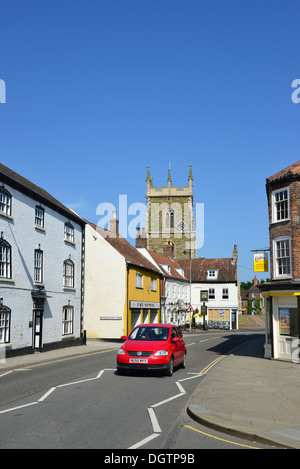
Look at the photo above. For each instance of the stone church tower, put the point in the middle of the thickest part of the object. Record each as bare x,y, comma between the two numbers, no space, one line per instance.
170,226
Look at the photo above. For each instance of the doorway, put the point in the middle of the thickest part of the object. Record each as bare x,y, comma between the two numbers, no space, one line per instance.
37,336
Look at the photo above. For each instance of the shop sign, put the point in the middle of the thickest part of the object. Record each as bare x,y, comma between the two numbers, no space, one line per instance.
260,262
144,304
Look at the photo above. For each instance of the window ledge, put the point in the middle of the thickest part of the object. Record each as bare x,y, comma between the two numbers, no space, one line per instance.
69,242
7,280
4,215
39,228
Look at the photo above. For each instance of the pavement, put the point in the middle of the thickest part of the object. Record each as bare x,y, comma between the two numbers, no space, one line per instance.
243,393
251,397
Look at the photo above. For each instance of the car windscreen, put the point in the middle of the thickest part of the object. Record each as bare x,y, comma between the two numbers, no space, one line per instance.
149,333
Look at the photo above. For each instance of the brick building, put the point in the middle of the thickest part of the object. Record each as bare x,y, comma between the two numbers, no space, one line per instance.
283,292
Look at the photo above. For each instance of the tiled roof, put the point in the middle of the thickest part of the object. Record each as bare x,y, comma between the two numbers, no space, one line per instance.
289,171
8,176
162,260
130,253
227,270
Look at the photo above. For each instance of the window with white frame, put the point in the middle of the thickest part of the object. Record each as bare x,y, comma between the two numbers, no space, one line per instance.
282,256
38,266
68,274
211,294
5,201
5,259
138,280
69,232
280,205
5,313
67,320
225,294
153,284
39,216
212,274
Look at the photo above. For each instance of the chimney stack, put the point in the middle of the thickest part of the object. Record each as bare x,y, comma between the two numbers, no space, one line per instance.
169,249
114,224
141,240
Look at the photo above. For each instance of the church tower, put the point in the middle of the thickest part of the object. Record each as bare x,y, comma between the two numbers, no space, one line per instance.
170,225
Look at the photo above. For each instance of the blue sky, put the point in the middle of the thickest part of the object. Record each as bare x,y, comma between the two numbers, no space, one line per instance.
98,89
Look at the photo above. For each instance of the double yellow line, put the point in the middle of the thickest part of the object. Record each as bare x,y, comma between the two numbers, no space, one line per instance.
208,367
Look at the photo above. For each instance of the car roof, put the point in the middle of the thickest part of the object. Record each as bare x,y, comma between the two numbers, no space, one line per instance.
155,325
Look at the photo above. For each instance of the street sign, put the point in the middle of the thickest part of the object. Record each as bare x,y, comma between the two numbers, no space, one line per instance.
190,309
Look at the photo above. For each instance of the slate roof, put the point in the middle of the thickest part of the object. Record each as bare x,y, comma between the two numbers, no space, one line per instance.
227,271
130,253
15,180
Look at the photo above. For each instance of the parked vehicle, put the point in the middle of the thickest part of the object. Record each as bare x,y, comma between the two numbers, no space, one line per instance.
152,347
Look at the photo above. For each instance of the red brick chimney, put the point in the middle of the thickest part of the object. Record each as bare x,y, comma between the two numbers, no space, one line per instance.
169,249
141,240
255,280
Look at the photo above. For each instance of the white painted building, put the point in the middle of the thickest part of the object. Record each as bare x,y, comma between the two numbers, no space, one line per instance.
176,287
41,244
104,287
215,285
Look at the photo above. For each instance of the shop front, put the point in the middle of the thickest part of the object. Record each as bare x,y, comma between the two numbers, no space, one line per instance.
282,325
143,312
221,318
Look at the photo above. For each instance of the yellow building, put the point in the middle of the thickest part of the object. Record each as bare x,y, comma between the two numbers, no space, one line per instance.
143,297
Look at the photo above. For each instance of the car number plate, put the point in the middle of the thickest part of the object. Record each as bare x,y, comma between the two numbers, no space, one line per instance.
138,360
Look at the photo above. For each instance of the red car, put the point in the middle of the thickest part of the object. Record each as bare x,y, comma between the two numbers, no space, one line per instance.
152,347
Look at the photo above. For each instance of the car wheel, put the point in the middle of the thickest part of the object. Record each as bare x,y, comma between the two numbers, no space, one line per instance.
170,367
183,364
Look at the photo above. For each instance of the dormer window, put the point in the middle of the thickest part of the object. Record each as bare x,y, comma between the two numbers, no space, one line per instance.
212,274
166,267
181,272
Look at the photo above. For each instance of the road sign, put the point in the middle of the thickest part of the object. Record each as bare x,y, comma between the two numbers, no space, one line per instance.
190,309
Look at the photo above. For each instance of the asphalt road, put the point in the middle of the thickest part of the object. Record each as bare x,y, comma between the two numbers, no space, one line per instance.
81,402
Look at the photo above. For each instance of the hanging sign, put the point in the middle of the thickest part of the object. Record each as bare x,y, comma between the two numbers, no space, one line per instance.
260,262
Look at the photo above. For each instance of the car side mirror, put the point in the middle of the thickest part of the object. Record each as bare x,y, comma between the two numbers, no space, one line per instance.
176,339
124,337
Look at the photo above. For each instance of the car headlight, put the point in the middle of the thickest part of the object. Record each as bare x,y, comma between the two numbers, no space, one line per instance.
121,351
161,353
